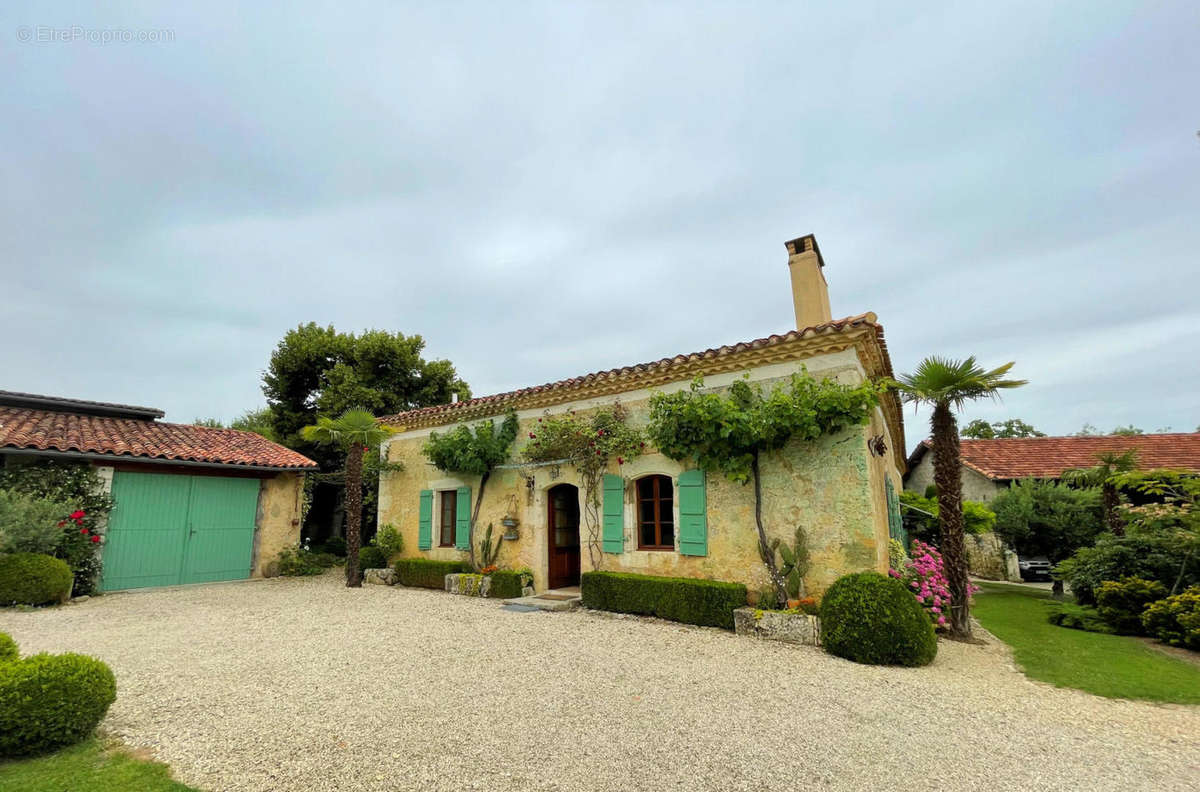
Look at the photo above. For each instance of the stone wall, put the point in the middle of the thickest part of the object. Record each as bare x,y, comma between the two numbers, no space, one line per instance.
988,557
833,487
278,520
975,485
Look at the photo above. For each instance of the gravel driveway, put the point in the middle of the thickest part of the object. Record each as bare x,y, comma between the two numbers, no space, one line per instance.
302,684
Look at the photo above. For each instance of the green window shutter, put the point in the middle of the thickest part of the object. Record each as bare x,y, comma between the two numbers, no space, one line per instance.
613,536
425,521
693,514
462,519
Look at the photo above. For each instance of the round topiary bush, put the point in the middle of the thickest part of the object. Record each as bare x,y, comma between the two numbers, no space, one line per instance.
50,701
371,557
33,579
869,618
8,648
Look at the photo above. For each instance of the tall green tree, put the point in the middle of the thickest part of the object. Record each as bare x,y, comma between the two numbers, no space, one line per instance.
729,433
980,429
257,421
355,431
946,385
1046,518
1109,464
473,451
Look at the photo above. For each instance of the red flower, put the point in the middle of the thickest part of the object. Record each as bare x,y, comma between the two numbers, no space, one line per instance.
78,514
620,460
83,531
61,523
532,435
95,538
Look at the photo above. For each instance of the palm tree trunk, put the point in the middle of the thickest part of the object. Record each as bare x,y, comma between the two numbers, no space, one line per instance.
354,464
947,475
1111,516
764,549
483,480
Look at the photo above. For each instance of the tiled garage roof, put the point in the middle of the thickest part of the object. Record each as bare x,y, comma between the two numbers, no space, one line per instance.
133,439
1048,457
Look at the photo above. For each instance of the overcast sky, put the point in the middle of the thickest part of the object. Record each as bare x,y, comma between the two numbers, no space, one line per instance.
544,190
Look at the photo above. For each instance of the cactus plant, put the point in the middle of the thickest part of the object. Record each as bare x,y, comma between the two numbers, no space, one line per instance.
795,563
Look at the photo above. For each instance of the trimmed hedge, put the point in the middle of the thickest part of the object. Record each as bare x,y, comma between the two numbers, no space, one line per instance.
34,579
426,572
50,701
8,648
870,618
1079,617
506,584
1176,620
709,603
371,557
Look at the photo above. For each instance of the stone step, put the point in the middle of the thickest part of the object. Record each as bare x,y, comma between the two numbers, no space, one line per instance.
546,602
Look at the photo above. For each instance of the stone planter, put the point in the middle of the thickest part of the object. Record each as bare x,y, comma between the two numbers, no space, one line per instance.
469,584
382,577
799,628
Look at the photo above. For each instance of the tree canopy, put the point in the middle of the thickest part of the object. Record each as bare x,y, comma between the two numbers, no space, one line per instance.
980,429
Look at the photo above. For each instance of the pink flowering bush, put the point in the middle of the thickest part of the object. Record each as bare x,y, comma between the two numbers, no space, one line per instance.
925,577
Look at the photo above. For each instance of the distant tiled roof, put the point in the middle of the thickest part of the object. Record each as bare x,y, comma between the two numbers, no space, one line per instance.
83,406
133,439
450,412
1048,457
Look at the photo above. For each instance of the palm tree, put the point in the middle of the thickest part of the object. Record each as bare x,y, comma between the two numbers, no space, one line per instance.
1110,464
946,385
356,431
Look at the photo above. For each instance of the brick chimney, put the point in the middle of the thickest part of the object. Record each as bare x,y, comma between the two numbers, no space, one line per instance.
810,294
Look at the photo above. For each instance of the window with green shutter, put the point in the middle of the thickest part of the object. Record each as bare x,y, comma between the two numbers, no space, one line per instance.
462,522
693,514
425,521
613,508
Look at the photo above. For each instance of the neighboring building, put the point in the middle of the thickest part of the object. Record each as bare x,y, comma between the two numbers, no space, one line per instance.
841,488
989,466
193,504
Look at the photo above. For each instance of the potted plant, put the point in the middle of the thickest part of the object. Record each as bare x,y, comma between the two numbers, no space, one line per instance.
510,521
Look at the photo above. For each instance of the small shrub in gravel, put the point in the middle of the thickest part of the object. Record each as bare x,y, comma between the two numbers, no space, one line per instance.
1176,620
709,603
8,648
371,557
1121,602
50,701
507,583
34,579
426,572
869,618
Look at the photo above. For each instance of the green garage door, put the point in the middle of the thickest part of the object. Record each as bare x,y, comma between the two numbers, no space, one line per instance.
167,529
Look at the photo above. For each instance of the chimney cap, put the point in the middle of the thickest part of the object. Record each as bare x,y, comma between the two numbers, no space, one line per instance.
804,244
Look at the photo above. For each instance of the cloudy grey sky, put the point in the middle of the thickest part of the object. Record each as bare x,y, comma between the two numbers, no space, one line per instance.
543,190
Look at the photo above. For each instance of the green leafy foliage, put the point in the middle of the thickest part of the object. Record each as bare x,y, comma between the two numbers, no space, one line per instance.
723,432
921,517
426,572
389,540
1045,518
29,524
77,485
1120,603
1175,620
689,600
300,561
1164,557
474,450
1079,617
48,701
980,429
508,583
33,579
334,545
371,557
8,648
257,421
897,555
869,618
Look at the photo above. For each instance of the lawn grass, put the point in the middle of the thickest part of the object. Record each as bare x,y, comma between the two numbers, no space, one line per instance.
1114,666
88,766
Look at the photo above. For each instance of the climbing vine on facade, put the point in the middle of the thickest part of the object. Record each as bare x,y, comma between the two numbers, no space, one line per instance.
589,444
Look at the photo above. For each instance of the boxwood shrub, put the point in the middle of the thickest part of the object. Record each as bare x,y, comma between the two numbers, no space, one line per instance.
1176,620
34,579
50,701
506,584
371,557
705,602
1121,602
8,648
869,618
426,572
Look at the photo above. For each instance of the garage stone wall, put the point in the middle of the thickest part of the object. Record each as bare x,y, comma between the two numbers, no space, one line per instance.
278,521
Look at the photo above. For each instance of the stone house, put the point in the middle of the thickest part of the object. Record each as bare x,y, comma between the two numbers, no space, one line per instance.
659,517
192,504
989,466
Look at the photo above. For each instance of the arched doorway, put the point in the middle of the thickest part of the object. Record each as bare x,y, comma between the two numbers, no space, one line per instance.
562,522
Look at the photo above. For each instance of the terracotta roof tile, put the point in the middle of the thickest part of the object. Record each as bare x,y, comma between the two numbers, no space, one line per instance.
501,399
1048,457
46,430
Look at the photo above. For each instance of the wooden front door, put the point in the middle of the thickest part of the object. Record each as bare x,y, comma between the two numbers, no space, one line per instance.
563,524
